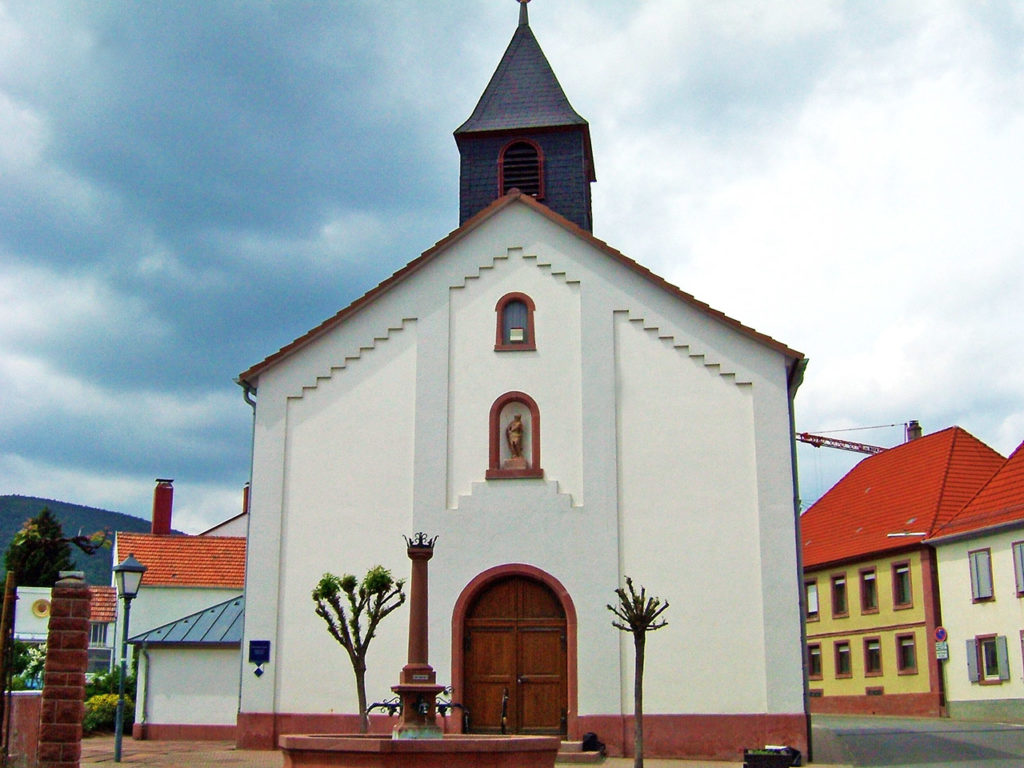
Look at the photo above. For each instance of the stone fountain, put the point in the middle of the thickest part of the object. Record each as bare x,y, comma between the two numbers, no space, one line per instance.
417,740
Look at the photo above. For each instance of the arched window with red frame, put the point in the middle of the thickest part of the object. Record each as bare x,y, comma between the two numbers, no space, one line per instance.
521,166
515,330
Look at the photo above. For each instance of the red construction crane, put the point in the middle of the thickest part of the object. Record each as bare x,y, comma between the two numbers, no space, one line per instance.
820,441
913,430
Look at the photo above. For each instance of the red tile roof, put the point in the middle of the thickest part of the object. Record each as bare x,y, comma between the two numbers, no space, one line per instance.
186,561
909,488
104,604
254,372
1001,501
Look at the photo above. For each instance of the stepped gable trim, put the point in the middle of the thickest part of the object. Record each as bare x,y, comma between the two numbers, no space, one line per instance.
247,377
356,356
999,504
683,348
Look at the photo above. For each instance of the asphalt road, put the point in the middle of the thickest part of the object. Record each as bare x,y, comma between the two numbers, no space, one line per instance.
917,742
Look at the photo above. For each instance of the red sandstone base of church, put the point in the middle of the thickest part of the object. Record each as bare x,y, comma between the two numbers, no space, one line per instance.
453,751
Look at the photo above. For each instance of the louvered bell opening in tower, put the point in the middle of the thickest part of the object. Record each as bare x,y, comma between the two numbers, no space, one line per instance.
521,169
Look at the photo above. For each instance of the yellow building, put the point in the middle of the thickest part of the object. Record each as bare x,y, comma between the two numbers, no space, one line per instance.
870,587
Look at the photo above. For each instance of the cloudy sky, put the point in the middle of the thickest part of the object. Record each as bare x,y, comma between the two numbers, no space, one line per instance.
187,186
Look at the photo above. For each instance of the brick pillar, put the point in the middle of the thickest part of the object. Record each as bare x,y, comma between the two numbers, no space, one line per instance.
67,658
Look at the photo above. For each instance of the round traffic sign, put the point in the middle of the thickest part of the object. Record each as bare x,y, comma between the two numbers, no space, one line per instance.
941,635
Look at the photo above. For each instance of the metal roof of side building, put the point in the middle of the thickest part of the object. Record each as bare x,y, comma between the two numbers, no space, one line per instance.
220,624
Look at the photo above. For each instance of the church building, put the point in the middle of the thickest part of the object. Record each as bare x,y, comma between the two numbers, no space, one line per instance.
560,418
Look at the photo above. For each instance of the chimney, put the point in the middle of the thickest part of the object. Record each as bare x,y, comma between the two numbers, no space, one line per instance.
913,430
163,500
245,498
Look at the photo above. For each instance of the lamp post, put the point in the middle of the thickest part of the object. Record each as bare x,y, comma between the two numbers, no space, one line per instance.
127,578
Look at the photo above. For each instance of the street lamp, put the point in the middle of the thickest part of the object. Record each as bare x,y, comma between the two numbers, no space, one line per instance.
127,578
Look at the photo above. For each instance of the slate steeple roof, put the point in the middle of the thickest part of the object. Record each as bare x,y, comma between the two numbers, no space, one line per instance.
524,134
523,91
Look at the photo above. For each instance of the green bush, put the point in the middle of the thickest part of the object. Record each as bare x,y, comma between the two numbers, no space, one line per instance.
101,713
106,682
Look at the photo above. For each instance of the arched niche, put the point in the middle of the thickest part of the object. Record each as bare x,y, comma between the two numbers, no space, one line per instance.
514,416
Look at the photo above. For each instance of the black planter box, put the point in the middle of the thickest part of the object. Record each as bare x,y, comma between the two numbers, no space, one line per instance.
781,758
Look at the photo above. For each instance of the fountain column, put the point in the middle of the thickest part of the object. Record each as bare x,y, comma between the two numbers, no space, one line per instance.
417,687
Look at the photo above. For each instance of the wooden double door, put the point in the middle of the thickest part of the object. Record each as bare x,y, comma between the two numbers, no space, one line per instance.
515,660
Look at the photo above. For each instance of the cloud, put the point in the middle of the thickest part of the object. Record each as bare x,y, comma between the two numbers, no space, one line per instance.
183,193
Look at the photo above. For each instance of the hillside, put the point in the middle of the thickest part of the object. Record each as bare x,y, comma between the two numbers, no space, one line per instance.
74,519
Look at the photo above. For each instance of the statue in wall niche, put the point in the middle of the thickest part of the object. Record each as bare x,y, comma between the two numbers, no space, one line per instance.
514,436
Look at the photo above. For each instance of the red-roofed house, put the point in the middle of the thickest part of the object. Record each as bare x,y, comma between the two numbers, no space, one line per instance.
871,593
102,618
185,690
980,556
183,574
32,618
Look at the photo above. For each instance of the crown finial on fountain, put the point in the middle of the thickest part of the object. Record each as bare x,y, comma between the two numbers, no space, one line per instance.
420,541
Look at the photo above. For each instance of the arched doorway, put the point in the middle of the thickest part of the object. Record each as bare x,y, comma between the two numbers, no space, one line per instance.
515,659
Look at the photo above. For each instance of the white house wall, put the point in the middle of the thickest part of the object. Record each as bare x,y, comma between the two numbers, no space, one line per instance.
379,427
188,686
27,626
964,620
679,482
348,458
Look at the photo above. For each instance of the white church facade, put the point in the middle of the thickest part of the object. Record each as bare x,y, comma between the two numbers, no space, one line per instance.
560,418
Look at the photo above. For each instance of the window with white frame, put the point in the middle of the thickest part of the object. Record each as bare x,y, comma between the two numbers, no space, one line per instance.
868,591
872,657
839,604
98,634
902,595
906,655
988,660
981,574
844,665
811,599
814,661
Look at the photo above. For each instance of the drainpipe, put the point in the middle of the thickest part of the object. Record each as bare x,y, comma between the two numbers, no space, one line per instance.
248,394
248,391
796,378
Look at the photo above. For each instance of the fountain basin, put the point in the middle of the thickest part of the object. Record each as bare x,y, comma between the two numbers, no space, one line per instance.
450,751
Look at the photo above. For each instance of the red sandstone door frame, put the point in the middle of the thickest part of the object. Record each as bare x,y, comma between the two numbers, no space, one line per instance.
462,606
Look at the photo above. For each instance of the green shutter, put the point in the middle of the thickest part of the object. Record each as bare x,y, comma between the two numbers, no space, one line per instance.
972,661
1018,564
1002,658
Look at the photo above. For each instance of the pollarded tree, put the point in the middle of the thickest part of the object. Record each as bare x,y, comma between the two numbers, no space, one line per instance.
638,614
374,598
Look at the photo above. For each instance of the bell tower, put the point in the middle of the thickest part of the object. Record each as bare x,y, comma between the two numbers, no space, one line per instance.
525,135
